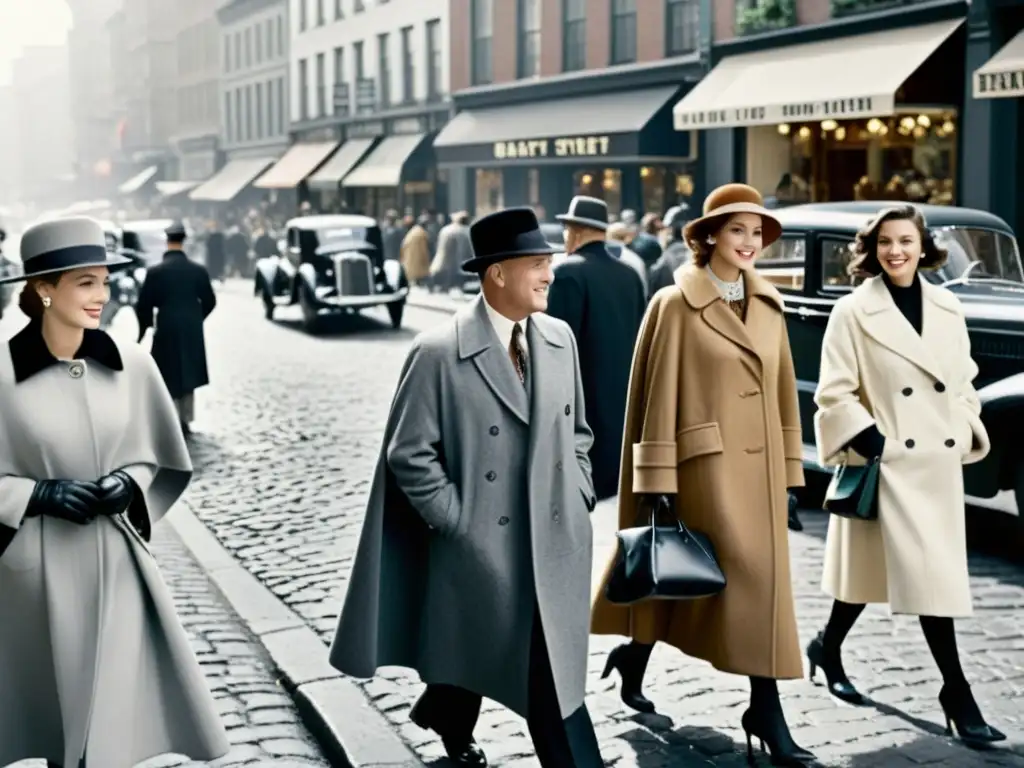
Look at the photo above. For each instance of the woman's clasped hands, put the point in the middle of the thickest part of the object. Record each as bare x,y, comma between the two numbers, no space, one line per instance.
79,501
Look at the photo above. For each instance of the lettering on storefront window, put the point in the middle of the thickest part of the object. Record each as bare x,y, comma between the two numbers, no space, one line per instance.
1000,83
714,117
568,146
832,108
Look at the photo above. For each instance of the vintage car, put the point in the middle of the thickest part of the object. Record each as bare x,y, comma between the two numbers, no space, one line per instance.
808,265
333,263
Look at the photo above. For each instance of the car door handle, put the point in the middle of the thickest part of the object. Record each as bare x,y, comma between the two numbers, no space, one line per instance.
804,313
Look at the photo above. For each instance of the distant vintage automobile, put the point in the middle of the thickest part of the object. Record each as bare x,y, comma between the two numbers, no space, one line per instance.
808,265
332,263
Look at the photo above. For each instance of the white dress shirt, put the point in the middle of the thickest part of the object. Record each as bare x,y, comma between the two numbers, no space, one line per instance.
503,327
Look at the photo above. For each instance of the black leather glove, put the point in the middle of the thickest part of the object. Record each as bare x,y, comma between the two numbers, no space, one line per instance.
65,499
116,492
870,443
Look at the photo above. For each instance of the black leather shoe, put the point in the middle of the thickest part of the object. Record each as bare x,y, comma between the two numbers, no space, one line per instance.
838,683
630,659
461,751
962,712
794,518
771,730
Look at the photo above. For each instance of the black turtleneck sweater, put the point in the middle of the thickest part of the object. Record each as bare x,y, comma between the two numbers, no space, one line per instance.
871,442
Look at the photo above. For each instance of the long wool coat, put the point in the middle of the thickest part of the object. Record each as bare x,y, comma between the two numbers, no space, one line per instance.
713,418
92,656
479,511
876,369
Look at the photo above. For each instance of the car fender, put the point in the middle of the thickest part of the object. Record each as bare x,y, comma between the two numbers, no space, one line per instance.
306,275
394,274
1002,413
1002,394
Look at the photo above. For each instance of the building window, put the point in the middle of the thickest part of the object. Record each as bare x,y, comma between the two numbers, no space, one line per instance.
238,114
321,85
384,69
321,16
227,53
408,70
270,108
238,50
482,21
303,19
259,111
339,79
339,11
280,34
248,113
270,39
258,34
248,47
433,59
529,38
623,31
229,118
281,106
303,89
682,26
574,35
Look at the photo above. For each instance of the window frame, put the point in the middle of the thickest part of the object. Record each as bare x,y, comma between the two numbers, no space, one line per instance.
615,55
481,44
574,57
384,70
527,35
670,9
766,266
434,56
408,65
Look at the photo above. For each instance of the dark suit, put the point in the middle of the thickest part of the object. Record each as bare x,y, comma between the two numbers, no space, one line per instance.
603,302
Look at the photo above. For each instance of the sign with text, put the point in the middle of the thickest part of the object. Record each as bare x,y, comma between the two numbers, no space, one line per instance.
603,150
566,146
1005,84
848,108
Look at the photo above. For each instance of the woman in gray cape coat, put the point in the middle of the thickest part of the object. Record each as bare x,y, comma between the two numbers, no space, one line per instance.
95,669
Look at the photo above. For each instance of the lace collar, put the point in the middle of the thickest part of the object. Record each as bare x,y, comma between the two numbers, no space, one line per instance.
733,291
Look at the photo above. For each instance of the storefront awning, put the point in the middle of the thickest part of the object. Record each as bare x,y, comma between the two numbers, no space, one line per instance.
341,162
849,78
172,188
383,166
538,131
1003,75
298,162
138,181
230,180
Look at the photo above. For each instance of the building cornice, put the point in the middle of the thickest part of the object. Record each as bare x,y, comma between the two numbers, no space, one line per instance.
676,70
397,112
239,10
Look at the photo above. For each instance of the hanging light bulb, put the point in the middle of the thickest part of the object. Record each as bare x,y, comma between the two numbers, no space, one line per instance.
829,125
805,132
924,121
875,125
840,133
948,126
907,123
783,129
920,131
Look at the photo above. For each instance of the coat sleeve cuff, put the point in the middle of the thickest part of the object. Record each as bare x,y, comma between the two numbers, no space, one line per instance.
792,443
794,473
654,467
835,427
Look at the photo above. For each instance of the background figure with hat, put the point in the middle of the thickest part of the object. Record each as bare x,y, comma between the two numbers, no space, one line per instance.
713,428
180,292
603,301
95,669
474,564
454,247
676,252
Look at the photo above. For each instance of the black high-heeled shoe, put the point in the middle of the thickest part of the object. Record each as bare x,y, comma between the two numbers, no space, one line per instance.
771,730
838,683
630,659
962,712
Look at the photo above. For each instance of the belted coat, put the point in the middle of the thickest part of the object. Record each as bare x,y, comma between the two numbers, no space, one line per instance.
713,418
917,390
478,512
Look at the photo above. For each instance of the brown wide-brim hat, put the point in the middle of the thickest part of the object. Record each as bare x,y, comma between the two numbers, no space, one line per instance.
725,201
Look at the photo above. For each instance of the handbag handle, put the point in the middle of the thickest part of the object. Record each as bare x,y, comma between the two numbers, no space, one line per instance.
663,504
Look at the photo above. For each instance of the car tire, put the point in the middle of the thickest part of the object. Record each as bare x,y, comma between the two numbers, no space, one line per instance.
395,311
310,314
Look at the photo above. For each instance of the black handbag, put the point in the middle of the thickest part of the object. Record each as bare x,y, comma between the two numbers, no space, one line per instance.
853,491
663,563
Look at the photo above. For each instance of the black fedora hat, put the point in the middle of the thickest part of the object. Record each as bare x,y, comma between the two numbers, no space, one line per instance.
587,212
64,244
176,232
507,234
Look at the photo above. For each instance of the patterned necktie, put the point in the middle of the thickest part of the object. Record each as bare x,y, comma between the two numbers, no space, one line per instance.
515,351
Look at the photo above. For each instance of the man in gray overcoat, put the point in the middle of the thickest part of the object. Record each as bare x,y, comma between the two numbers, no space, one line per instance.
474,563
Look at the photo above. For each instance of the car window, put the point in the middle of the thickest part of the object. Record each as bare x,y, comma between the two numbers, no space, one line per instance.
836,255
783,262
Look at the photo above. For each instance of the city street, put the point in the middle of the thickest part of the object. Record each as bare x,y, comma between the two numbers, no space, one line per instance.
286,437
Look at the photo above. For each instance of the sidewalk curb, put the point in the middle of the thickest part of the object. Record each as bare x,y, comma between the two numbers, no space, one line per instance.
352,733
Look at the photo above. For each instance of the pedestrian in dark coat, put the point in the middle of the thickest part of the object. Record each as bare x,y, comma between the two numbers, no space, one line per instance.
603,301
181,293
215,257
474,564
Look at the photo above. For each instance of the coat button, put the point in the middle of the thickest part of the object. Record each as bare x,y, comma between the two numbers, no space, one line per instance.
491,475
554,515
76,370
502,520
558,465
495,430
909,443
907,391
950,443
940,387
568,410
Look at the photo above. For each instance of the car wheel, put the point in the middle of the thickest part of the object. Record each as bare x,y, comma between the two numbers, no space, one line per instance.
396,310
310,314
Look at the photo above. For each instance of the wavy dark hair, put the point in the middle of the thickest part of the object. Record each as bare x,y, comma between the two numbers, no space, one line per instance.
865,248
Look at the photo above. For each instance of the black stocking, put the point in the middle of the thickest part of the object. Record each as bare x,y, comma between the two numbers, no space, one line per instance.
764,695
941,639
840,622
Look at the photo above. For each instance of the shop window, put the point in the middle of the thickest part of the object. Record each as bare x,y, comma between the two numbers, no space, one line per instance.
604,184
782,263
836,256
489,194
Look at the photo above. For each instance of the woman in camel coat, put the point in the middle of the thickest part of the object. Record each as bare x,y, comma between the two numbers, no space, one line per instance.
415,257
713,421
895,384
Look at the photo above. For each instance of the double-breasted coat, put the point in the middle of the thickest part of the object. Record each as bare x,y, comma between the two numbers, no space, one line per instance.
181,293
93,659
917,389
478,512
713,418
603,301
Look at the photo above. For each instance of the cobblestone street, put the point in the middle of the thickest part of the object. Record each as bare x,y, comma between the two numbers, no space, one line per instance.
287,434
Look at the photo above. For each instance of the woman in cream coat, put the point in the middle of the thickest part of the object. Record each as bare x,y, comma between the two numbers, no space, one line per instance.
895,383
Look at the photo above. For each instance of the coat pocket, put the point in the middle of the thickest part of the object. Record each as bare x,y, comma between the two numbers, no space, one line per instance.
698,440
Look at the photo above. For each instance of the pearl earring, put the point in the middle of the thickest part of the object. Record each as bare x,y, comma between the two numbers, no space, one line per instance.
711,241
47,301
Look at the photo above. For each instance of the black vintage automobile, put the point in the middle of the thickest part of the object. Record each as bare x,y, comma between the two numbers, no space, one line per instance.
333,263
808,264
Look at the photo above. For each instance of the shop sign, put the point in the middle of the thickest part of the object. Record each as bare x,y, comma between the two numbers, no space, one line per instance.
994,85
770,114
566,146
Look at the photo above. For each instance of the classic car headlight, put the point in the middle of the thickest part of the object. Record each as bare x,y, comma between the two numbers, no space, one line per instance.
140,274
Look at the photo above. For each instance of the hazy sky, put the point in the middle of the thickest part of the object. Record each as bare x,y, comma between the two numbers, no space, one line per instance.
30,22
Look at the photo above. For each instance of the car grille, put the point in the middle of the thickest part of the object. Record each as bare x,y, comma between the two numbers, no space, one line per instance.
354,275
999,346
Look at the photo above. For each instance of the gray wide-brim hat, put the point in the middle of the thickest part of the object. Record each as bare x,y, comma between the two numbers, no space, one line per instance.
61,245
587,212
